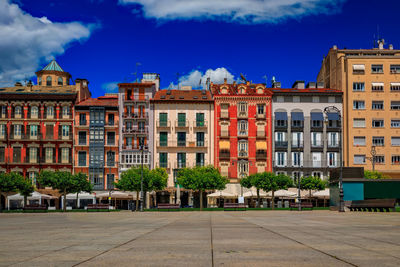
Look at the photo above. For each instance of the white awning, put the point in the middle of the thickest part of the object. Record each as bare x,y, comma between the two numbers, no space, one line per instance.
377,84
358,67
394,84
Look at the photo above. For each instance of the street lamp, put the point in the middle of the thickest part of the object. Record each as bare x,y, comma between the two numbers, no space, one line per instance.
141,144
333,110
373,157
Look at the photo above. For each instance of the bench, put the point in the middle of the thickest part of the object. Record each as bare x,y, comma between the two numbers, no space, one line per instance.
234,206
295,205
98,207
35,207
166,206
373,205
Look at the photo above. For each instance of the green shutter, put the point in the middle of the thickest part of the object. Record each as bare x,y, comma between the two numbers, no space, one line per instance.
163,119
163,160
181,119
199,119
163,139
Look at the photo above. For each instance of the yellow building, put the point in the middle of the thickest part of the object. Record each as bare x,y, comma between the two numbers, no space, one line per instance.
370,81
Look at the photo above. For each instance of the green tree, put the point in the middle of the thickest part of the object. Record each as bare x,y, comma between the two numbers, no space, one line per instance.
8,183
62,181
312,183
81,184
25,188
279,182
259,181
130,180
375,175
201,179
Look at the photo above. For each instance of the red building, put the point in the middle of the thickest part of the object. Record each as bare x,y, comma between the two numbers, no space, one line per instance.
243,140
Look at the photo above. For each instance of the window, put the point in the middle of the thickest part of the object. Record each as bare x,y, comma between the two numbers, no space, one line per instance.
3,111
297,139
33,155
315,99
82,158
40,80
163,138
359,159
316,159
394,68
359,87
110,119
181,160
377,105
396,159
316,123
34,112
358,104
331,99
395,86
243,108
316,138
260,109
378,141
280,99
2,130
296,99
297,159
200,119
395,123
111,138
110,158
18,111
82,119
242,129
395,141
358,69
163,160
49,154
17,155
380,159
243,168
333,139
359,123
317,174
242,148
200,159
377,123
181,138
110,181
65,131
17,130
359,141
377,68
377,87
163,119
50,111
200,139
60,81
297,175
280,159
297,119
181,119
394,105
128,141
48,81
82,138
65,111
64,155
332,159
33,131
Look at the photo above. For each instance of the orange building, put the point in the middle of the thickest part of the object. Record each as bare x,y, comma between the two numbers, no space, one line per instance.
96,140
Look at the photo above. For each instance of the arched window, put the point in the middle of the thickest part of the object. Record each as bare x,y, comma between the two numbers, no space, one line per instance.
18,111
48,81
60,81
34,112
40,80
65,111
50,111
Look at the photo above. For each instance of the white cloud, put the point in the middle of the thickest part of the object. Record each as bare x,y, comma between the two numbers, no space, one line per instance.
198,79
111,87
242,11
27,41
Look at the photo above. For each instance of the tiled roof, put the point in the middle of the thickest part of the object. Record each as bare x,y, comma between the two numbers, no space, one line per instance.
102,101
306,90
39,89
183,95
53,65
144,84
234,89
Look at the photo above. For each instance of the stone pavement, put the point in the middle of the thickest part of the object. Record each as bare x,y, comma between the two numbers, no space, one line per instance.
249,238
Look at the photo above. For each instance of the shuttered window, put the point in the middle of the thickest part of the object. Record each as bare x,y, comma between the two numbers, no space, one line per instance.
359,140
359,159
359,123
395,141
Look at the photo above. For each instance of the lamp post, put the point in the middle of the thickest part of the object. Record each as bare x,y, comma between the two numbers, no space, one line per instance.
110,188
331,110
373,157
141,174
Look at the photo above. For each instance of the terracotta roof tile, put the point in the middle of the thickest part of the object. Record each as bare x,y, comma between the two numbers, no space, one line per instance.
102,101
183,95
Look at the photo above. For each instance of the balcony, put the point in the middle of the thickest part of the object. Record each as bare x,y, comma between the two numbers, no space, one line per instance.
225,134
261,134
333,145
281,144
224,154
242,115
280,126
242,133
141,115
317,144
200,124
135,130
297,144
261,116
261,155
142,98
132,147
182,124
243,154
163,124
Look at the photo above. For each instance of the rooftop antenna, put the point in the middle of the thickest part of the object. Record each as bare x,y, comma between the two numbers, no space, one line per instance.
136,73
243,77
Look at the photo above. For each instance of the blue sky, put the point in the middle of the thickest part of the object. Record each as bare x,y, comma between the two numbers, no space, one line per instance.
102,40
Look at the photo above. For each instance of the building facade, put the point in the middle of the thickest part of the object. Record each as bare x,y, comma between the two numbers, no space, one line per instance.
183,135
370,81
134,126
96,140
306,141
36,122
242,131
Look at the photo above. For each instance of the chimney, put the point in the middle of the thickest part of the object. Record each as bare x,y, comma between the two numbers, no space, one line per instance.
390,47
248,82
311,85
334,47
225,80
381,43
320,85
298,85
276,84
234,82
186,88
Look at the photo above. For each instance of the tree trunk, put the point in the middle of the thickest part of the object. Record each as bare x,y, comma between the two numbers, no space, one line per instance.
76,202
273,199
137,200
258,198
25,200
201,200
65,201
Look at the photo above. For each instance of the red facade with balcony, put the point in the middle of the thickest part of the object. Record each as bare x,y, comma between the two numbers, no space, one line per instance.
243,139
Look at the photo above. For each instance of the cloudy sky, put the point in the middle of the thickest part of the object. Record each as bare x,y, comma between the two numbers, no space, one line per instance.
186,41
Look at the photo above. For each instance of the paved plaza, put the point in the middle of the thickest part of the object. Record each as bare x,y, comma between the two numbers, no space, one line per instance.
249,238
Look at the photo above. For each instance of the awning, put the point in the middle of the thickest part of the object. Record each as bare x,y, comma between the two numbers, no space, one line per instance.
358,67
394,84
317,116
224,145
377,84
282,116
261,145
297,116
333,116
